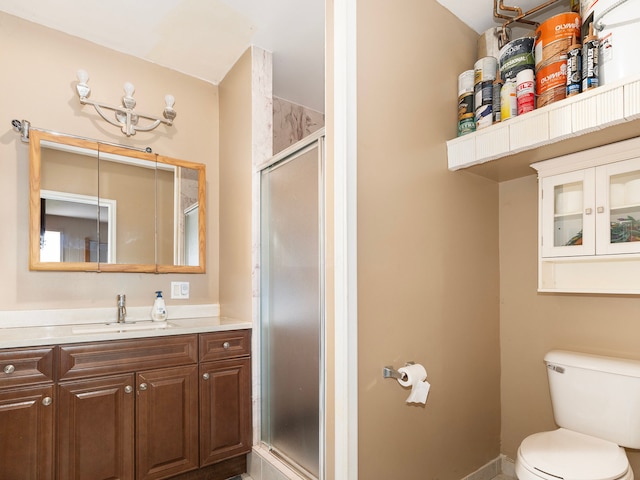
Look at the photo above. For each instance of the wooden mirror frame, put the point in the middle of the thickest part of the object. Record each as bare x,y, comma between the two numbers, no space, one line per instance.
36,137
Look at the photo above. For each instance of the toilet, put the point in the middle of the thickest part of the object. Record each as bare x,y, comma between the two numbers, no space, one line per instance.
596,404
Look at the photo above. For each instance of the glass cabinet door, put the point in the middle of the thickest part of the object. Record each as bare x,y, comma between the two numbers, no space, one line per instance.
618,207
567,221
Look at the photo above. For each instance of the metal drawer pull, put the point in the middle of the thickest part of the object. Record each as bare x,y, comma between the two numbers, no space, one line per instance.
226,345
600,209
205,376
143,386
9,369
46,401
128,389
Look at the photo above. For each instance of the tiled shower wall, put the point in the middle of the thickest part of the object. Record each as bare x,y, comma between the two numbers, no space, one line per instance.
292,122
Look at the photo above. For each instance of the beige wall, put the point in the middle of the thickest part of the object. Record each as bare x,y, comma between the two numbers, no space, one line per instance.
533,323
427,252
235,190
39,86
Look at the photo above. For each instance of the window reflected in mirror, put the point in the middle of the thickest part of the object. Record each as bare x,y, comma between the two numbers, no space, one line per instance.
101,207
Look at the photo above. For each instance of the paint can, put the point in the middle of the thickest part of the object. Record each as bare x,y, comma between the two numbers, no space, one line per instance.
483,104
466,114
466,110
617,31
515,56
484,116
465,82
590,77
485,70
554,36
525,91
508,100
492,40
551,81
574,68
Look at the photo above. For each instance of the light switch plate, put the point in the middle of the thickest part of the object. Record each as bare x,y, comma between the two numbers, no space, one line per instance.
179,290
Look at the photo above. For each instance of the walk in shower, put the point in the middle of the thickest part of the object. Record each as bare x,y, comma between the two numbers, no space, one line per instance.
292,306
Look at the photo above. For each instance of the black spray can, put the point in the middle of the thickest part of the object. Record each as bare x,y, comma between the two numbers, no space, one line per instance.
574,68
590,61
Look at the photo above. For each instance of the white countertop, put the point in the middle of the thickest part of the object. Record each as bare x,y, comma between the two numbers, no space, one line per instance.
58,332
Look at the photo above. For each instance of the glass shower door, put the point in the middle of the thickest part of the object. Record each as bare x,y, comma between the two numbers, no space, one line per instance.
291,308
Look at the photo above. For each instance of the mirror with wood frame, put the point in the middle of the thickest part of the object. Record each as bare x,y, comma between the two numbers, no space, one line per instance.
105,208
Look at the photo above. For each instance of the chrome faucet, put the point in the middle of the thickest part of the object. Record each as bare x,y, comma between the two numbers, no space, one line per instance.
122,308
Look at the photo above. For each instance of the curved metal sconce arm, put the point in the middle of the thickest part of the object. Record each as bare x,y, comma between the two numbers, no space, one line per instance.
125,116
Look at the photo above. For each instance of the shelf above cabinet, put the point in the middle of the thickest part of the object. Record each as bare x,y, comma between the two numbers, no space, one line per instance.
505,150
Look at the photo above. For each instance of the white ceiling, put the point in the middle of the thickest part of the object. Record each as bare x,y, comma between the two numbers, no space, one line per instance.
478,14
204,38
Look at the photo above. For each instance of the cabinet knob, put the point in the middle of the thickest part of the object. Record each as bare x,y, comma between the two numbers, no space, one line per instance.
8,369
143,386
600,210
46,401
205,376
226,345
128,389
588,211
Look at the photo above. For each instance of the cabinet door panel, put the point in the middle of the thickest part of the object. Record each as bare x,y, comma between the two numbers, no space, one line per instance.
167,422
26,434
225,409
95,429
618,207
567,222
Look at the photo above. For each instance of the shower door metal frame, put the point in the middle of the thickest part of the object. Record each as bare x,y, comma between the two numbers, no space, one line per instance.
282,158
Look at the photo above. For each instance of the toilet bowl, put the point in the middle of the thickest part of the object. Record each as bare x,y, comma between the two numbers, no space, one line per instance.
563,454
596,404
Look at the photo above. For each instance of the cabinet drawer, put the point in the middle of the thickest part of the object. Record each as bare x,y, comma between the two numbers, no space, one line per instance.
221,345
23,366
121,356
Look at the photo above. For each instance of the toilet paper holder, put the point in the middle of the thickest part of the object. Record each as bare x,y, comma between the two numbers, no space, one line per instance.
390,372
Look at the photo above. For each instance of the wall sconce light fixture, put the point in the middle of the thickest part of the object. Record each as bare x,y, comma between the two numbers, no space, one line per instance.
124,116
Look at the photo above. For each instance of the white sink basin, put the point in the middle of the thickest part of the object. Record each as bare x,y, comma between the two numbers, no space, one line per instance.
121,327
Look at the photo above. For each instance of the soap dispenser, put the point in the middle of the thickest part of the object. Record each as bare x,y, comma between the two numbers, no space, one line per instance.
159,310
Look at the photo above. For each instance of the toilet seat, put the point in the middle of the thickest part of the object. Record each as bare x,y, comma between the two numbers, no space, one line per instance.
563,454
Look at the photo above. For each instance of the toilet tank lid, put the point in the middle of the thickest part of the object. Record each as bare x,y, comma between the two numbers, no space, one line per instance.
620,366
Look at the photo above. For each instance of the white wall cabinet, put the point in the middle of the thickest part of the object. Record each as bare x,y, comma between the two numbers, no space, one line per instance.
589,221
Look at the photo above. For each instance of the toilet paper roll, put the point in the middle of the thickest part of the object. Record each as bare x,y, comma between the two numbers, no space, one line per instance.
415,378
415,373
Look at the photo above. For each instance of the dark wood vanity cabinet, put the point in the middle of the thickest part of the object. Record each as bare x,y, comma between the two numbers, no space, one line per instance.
140,409
225,395
27,414
142,424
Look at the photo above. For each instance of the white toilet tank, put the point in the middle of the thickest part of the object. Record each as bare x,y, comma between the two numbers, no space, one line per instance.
597,396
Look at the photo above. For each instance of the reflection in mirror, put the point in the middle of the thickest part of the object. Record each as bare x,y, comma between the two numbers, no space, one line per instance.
181,221
100,207
129,178
70,225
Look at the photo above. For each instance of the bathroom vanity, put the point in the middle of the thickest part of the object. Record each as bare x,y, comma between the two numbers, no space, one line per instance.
128,407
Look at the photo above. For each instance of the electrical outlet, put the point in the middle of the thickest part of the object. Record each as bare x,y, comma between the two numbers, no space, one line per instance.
180,290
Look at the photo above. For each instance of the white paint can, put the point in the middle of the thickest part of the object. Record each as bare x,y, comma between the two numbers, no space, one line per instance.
617,29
